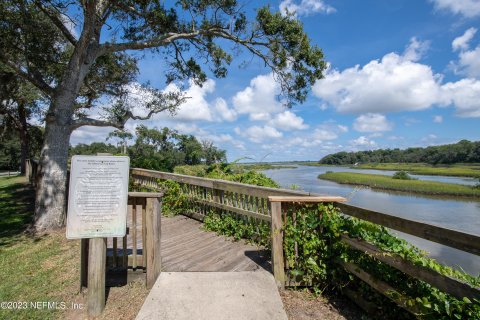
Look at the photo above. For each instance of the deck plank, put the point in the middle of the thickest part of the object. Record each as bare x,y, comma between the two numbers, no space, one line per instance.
203,251
187,247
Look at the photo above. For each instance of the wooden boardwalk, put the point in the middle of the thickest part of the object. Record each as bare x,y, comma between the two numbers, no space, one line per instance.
187,247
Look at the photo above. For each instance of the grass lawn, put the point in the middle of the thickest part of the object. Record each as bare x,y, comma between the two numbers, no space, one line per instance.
376,181
456,170
46,268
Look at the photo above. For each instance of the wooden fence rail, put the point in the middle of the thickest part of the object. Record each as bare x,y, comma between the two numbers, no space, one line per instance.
264,205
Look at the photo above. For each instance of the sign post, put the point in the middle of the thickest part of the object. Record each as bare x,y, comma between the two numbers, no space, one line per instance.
97,209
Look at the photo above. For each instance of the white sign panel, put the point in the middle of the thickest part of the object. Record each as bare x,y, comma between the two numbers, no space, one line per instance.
98,194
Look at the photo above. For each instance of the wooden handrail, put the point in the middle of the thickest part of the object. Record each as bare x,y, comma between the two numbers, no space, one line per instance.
446,236
265,204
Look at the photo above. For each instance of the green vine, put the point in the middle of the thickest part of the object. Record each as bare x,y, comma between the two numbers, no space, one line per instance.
313,247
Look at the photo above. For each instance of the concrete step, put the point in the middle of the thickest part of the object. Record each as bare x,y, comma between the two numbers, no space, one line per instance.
246,295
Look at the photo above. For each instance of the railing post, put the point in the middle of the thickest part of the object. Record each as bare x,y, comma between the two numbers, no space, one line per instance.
153,250
97,255
84,243
278,265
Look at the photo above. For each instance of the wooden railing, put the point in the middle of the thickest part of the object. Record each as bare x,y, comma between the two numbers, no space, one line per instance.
254,202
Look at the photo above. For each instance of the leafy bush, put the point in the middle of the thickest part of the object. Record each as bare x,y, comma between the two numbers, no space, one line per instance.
199,170
402,175
238,228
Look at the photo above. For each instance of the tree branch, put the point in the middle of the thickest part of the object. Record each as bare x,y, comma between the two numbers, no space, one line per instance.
33,78
58,23
96,123
171,37
135,45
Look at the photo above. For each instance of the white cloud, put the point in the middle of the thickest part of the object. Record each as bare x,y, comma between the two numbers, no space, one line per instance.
322,134
437,119
287,120
469,63
196,107
395,83
259,133
259,98
415,50
465,95
467,8
305,7
223,112
89,134
372,122
342,128
462,42
468,60
363,141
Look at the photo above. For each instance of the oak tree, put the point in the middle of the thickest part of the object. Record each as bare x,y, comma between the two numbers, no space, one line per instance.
79,54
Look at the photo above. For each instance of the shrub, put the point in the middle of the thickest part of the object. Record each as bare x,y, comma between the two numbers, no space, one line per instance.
402,175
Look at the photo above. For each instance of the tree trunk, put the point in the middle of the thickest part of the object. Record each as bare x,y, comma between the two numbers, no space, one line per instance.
50,202
23,131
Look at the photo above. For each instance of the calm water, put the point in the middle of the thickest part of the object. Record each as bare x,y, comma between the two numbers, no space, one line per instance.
462,214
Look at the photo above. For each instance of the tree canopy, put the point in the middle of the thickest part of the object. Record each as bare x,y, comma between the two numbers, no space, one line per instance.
462,151
159,149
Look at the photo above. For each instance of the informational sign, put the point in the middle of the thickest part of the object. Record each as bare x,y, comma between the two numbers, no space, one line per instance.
97,199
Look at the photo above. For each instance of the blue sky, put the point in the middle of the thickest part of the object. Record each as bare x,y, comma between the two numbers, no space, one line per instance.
402,73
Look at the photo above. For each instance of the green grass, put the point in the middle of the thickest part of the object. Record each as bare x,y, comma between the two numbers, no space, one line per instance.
16,207
382,182
456,170
33,268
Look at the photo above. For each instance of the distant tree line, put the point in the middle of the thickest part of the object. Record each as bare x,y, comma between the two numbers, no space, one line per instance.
157,149
463,151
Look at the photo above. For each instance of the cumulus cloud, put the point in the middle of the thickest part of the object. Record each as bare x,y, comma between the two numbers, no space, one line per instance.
258,100
89,134
198,106
437,119
416,49
372,122
223,112
288,120
322,134
305,7
363,142
258,134
467,8
468,63
462,42
465,95
395,83
399,83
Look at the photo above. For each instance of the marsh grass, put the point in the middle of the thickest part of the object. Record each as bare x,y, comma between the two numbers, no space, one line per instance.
456,170
383,182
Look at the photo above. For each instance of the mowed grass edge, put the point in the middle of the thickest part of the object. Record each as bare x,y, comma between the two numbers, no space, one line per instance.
33,268
388,183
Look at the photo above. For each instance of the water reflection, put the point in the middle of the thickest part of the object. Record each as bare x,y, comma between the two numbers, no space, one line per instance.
459,214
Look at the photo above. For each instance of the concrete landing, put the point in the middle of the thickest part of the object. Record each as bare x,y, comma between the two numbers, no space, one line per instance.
244,295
